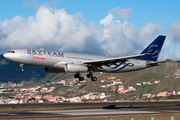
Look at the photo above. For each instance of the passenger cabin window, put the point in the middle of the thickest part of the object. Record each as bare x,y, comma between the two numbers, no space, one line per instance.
11,51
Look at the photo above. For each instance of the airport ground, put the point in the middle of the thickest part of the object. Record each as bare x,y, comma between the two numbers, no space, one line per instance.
166,116
101,111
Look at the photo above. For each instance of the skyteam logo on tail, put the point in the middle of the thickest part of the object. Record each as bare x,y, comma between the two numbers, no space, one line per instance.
155,49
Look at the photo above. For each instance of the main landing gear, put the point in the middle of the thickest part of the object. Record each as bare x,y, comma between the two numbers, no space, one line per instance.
22,69
91,76
78,75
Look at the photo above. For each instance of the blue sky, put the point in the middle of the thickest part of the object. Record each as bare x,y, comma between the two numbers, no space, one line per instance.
143,11
90,24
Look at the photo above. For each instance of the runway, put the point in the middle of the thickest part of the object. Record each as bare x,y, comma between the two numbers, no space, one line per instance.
112,108
89,112
91,104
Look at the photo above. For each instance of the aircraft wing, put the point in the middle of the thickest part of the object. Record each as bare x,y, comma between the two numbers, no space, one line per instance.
108,61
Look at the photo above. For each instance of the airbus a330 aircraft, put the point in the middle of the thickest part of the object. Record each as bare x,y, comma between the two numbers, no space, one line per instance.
57,62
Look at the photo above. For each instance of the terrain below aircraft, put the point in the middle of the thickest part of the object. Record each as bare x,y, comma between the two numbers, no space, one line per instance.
57,62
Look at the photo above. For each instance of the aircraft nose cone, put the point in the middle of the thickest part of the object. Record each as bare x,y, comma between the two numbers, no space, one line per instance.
6,55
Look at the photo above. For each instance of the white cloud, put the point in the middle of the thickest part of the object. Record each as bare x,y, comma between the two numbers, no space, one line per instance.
124,38
172,45
50,27
55,29
106,20
175,32
124,13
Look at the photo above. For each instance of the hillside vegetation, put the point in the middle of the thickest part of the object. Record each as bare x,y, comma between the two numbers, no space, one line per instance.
168,74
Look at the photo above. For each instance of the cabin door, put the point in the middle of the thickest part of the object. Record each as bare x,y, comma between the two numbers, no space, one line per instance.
23,52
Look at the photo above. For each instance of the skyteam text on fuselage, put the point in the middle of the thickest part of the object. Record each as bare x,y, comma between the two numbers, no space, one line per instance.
57,62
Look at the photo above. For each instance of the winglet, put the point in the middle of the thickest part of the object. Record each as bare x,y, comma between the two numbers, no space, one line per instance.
154,48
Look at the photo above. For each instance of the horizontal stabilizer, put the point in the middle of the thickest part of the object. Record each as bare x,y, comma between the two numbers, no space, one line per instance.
149,64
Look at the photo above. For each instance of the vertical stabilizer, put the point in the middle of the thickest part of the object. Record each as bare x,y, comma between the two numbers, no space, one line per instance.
154,48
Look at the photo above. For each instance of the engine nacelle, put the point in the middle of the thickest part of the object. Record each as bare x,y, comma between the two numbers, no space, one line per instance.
53,70
76,68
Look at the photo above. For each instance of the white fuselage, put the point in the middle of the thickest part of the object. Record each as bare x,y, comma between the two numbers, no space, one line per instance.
58,60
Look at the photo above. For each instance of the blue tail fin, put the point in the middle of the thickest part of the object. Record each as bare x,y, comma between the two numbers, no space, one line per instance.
155,48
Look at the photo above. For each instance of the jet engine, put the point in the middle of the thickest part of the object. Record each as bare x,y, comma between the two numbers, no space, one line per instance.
76,68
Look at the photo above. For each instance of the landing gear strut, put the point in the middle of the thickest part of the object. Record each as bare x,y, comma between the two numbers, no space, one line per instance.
89,75
22,69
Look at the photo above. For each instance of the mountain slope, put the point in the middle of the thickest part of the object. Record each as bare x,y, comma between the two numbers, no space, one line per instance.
11,71
168,74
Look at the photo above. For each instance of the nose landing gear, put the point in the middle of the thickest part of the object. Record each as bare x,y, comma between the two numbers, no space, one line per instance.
22,69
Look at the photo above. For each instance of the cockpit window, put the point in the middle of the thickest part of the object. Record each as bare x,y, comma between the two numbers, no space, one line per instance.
11,51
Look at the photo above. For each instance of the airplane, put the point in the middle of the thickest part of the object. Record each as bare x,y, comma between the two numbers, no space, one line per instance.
59,62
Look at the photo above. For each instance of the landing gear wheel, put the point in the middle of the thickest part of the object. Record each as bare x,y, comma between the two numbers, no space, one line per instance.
77,75
81,78
94,78
22,70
